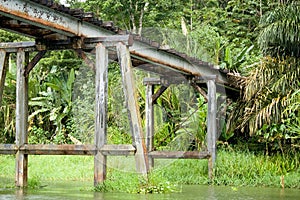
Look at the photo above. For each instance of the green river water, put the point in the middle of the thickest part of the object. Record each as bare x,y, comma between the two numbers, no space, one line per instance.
79,190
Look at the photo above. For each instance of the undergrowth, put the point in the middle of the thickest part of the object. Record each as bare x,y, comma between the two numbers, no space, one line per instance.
133,183
233,168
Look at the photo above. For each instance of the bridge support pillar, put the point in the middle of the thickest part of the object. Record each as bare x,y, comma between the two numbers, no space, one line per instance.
21,118
100,112
149,122
101,67
211,125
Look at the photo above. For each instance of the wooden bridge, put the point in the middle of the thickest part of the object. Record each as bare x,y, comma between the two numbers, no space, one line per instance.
55,27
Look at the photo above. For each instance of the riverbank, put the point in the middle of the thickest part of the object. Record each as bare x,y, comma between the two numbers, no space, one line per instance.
234,168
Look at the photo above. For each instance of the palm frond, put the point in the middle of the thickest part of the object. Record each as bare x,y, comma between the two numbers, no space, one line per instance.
280,33
267,94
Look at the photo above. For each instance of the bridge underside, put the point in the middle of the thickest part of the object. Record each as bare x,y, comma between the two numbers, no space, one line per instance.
55,27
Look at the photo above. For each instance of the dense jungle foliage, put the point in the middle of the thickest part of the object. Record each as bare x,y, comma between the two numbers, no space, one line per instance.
252,38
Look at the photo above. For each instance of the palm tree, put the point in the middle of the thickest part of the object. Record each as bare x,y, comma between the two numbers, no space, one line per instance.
268,89
280,31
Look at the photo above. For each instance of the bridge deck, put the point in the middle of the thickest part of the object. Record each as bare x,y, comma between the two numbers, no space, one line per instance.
47,21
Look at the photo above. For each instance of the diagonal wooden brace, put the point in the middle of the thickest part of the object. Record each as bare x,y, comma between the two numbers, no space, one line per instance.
141,156
3,66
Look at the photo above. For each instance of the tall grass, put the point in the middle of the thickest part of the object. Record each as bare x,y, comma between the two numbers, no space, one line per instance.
233,168
249,169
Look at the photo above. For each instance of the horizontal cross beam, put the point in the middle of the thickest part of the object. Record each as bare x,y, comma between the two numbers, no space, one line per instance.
180,154
108,41
71,43
118,150
68,149
12,47
52,149
8,149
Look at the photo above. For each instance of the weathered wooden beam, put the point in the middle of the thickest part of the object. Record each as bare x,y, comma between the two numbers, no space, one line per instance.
154,68
3,66
8,149
101,112
86,59
158,93
180,154
21,117
118,150
141,156
149,121
47,18
152,81
12,47
34,61
201,81
211,124
58,44
52,149
204,78
108,41
200,90
40,45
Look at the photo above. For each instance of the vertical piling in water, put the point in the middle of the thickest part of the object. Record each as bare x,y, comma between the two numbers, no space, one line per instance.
21,117
211,124
100,112
149,122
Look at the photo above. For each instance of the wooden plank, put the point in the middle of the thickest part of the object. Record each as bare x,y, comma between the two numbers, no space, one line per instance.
159,92
204,78
12,47
200,90
118,150
34,61
86,59
100,112
8,149
180,154
52,149
141,156
21,117
151,81
211,124
149,122
108,41
3,66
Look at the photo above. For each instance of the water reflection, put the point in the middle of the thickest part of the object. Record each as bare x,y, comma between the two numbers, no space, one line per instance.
210,193
66,191
20,193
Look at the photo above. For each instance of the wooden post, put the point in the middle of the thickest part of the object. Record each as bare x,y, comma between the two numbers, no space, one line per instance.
149,122
101,113
211,124
21,117
3,67
141,156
